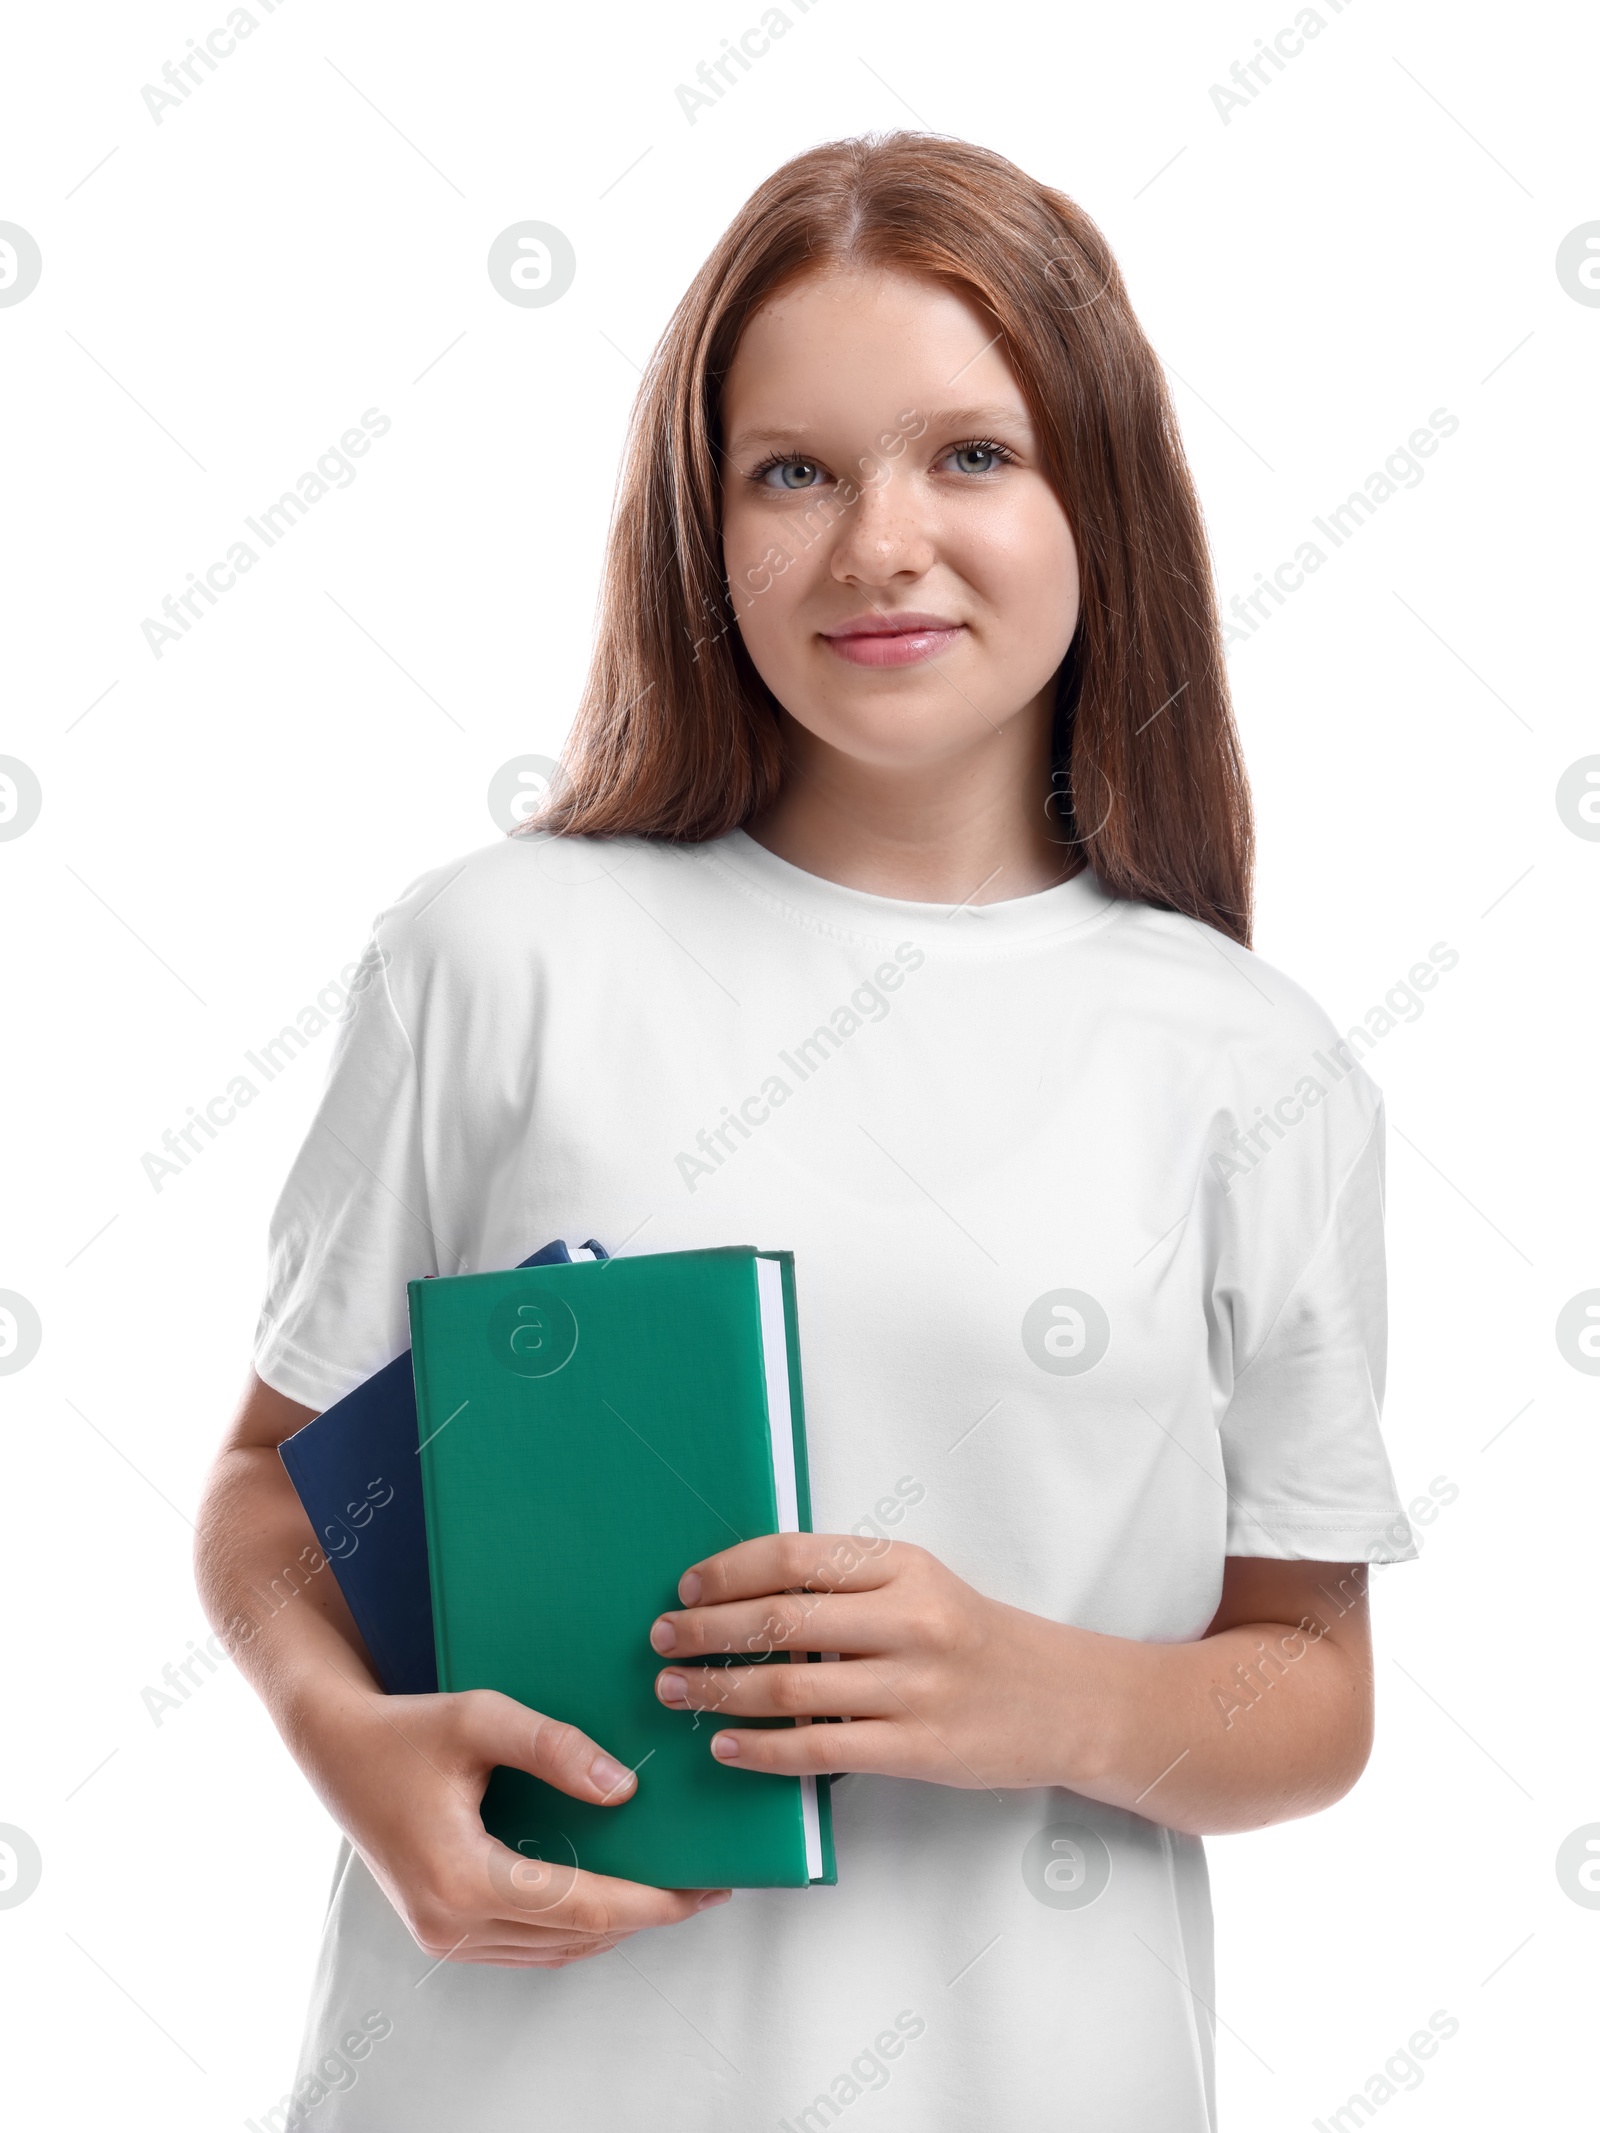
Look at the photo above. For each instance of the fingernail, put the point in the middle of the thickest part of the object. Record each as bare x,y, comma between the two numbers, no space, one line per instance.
663,1636
689,1588
609,1776
672,1688
712,1898
725,1745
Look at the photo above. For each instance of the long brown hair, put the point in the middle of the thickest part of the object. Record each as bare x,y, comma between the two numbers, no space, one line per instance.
676,735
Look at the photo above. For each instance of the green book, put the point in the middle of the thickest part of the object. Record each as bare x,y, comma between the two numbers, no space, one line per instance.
586,1433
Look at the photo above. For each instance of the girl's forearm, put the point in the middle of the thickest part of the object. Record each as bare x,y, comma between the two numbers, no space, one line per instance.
1256,1724
270,1592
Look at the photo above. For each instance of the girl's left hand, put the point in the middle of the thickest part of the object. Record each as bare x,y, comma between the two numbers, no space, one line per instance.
940,1682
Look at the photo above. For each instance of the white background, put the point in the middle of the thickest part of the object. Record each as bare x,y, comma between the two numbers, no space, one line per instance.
1370,239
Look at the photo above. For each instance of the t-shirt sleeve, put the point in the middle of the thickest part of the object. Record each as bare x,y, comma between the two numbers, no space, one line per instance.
1302,1327
351,1226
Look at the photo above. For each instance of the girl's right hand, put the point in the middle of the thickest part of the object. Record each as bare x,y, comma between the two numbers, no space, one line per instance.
403,1775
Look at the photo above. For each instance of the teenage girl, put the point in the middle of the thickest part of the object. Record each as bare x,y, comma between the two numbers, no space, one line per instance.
892,906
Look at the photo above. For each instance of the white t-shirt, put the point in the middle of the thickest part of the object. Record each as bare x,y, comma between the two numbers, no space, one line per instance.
1086,1207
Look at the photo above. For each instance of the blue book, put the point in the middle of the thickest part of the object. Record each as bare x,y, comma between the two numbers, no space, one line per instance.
356,1471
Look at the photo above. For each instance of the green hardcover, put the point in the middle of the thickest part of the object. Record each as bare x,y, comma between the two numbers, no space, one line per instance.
586,1433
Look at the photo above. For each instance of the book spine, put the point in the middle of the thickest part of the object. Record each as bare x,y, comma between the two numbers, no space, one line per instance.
430,1515
802,1487
797,1403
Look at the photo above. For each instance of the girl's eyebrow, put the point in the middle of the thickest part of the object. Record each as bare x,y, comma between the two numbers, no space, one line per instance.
975,418
943,418
792,434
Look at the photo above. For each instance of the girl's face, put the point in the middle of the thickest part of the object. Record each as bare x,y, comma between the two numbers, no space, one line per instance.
903,574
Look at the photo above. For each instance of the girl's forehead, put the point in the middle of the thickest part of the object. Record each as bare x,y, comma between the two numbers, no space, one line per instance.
858,302
839,340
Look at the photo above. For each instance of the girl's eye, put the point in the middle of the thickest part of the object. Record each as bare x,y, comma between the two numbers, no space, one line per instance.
979,457
790,473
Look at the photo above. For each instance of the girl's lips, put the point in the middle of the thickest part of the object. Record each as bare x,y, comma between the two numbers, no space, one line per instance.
895,648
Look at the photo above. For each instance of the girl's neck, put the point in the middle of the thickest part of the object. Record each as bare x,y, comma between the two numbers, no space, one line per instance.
972,830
